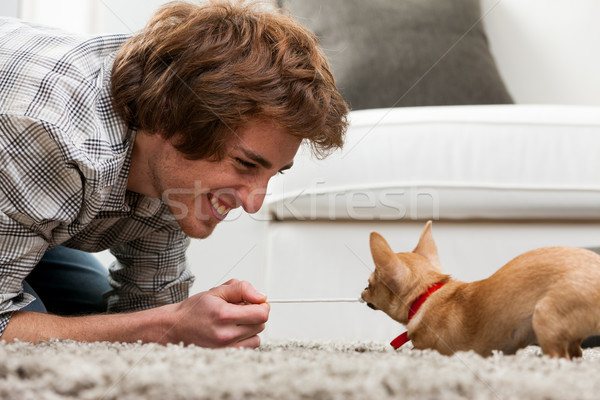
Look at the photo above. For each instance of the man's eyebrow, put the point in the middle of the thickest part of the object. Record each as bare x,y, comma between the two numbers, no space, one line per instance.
287,166
257,158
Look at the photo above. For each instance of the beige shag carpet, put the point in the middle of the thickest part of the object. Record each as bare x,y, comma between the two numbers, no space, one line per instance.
286,370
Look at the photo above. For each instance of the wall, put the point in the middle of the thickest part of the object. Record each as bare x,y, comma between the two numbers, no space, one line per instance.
9,8
91,16
546,50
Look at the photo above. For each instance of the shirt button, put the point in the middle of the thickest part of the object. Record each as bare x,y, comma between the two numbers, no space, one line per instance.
148,206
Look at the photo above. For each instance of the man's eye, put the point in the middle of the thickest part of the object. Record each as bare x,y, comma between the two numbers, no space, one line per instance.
245,164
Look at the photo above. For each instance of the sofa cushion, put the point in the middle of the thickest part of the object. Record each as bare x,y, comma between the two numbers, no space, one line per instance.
462,162
387,53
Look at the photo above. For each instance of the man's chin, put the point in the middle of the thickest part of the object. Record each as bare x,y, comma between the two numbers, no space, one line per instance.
198,231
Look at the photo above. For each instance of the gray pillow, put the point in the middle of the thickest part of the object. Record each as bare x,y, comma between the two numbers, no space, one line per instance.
392,53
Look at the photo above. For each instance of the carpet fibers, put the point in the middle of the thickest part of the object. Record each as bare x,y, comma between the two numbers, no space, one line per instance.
286,370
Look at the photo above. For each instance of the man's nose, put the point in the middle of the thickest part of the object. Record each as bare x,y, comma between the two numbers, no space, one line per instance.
253,196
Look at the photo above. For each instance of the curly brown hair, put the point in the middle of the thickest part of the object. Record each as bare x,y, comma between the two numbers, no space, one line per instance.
197,73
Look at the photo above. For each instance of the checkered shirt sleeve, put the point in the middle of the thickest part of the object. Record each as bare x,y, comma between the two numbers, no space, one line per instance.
64,163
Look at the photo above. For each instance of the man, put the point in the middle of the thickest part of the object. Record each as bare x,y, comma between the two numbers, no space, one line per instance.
136,144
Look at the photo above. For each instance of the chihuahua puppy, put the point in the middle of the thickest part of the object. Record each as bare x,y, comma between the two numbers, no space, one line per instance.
548,296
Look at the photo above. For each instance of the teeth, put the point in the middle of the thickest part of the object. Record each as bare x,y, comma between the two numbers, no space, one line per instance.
221,209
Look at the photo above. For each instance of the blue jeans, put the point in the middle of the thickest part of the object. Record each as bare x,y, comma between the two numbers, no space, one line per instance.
67,282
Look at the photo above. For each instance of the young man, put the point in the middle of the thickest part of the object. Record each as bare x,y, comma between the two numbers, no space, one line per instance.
136,144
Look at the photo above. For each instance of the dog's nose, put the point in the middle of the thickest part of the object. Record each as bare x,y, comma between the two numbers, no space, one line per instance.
372,306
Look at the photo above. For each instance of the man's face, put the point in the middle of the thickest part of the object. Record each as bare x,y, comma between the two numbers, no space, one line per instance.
200,193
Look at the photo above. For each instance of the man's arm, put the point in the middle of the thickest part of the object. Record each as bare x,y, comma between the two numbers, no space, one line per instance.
232,314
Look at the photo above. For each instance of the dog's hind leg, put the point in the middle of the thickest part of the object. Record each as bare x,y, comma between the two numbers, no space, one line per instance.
554,349
549,331
575,349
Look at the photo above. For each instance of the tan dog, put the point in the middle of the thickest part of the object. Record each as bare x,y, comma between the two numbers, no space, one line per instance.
549,296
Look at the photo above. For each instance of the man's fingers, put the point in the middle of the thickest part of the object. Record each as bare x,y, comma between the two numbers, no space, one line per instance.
251,342
234,335
239,316
247,336
245,314
234,291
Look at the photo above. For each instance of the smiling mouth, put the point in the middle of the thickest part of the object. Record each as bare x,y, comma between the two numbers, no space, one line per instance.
219,209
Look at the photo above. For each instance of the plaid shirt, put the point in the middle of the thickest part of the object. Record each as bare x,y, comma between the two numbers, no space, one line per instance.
64,162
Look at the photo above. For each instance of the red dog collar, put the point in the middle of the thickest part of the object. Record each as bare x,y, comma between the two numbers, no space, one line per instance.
400,340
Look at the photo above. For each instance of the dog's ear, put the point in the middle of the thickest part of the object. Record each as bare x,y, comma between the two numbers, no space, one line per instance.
427,248
387,265
382,253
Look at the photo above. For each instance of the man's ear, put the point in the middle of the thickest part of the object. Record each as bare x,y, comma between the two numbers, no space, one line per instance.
427,248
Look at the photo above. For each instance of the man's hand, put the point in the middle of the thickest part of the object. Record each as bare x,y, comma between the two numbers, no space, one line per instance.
232,314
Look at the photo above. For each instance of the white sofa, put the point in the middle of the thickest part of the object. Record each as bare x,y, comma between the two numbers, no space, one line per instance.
496,179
